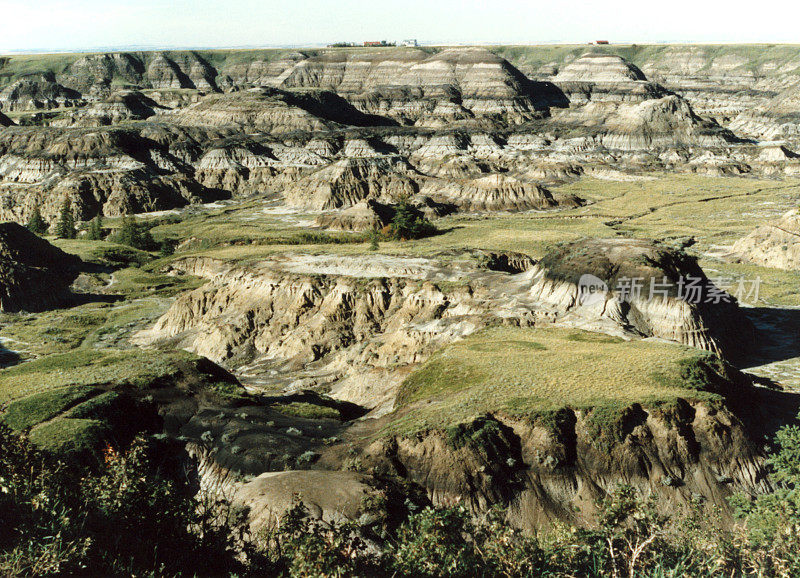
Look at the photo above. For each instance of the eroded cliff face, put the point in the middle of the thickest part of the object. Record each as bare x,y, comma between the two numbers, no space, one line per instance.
355,327
330,129
351,333
544,472
647,289
38,92
107,171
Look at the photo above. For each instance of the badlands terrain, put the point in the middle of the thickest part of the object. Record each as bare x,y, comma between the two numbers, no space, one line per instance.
288,341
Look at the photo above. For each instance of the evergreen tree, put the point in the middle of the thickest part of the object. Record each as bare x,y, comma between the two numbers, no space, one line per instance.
65,228
95,230
128,233
36,224
135,235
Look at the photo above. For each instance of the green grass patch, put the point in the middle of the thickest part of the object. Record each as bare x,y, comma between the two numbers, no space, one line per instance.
33,410
135,368
668,206
228,391
308,410
65,435
537,372
103,252
98,407
476,434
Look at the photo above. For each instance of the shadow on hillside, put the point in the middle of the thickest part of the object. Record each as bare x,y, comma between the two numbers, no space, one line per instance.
777,335
769,411
77,299
548,94
8,357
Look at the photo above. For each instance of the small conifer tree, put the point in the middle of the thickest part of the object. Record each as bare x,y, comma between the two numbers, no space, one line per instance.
36,224
95,230
65,228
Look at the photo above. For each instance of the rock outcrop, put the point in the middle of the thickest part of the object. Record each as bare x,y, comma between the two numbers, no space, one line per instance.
773,244
340,323
367,215
107,171
121,106
605,78
332,497
273,110
38,92
414,87
347,330
641,287
349,181
496,192
34,275
331,128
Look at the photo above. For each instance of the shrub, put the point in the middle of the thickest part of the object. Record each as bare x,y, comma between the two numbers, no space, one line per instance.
408,223
435,543
124,518
167,247
308,457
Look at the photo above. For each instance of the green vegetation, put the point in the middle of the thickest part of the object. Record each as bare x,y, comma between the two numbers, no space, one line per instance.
36,224
65,227
477,434
95,230
32,410
704,212
134,234
408,223
228,391
308,410
517,372
68,437
131,516
128,516
89,367
104,252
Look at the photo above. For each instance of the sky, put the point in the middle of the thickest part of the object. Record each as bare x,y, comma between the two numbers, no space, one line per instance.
47,25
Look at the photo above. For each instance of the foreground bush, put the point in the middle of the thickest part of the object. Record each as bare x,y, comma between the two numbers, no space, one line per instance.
122,517
132,515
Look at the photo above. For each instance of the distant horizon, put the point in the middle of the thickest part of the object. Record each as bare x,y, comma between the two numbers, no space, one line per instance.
316,46
94,26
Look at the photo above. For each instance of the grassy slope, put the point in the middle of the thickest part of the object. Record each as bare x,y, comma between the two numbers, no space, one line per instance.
525,372
87,367
143,292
